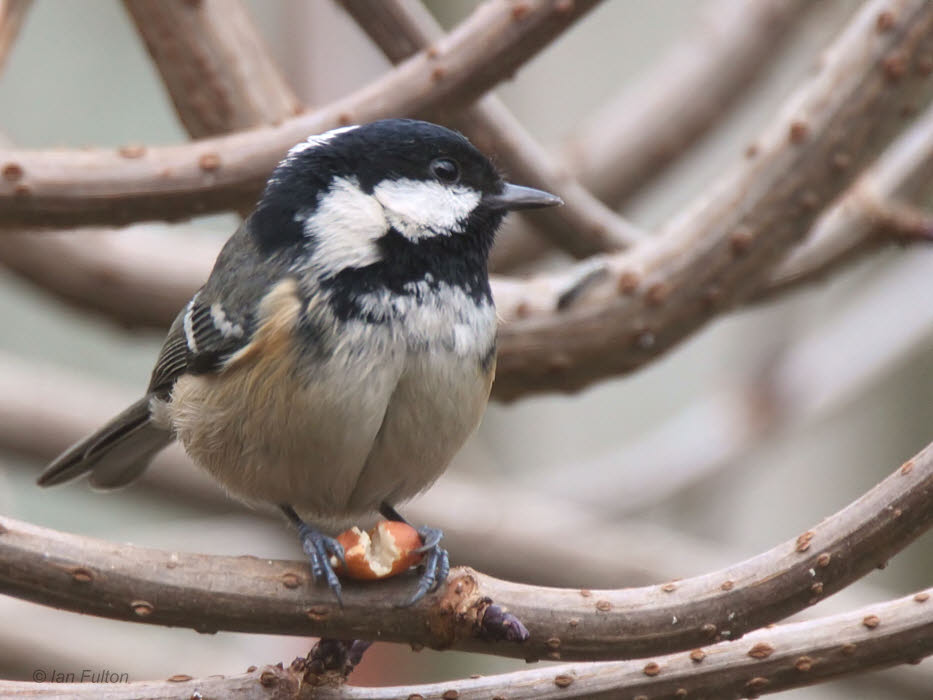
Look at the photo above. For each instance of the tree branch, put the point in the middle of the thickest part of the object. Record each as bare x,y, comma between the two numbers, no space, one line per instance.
210,593
214,64
713,255
137,277
766,661
98,186
870,215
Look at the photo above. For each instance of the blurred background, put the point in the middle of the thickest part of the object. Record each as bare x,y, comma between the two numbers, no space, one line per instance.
762,424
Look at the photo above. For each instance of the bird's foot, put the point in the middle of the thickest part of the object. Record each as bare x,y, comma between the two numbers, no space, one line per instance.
436,564
320,548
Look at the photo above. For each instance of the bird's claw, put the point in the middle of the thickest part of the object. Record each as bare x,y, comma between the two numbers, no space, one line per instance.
320,548
436,564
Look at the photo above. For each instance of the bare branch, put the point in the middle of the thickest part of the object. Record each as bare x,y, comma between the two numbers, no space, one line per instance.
766,661
584,225
214,63
632,138
873,213
137,277
210,593
99,186
713,255
12,16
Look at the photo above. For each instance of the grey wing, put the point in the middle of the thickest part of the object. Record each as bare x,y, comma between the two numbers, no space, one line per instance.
213,326
220,318
202,337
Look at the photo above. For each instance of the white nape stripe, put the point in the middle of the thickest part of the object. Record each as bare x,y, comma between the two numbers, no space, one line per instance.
345,226
226,327
319,139
188,324
422,208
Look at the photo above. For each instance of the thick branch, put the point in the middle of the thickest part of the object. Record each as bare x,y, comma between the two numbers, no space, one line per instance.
713,255
97,186
214,63
584,225
766,661
210,593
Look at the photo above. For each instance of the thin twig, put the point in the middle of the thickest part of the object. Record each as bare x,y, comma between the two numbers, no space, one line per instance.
584,225
210,593
98,186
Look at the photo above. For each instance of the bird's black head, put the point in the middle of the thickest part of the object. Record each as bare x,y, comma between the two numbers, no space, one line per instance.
399,198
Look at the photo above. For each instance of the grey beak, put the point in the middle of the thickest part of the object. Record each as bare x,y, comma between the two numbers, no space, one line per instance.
518,197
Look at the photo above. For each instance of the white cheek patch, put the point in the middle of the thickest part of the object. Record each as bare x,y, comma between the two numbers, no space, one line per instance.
345,227
419,209
319,139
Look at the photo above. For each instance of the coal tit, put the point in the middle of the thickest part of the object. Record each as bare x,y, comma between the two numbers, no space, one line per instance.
344,345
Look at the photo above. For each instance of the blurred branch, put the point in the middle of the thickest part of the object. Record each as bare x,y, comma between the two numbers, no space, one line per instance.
713,255
618,150
44,410
99,186
214,63
210,593
136,277
12,16
584,225
796,384
215,66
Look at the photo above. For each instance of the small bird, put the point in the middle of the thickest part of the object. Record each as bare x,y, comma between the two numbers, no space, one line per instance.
344,344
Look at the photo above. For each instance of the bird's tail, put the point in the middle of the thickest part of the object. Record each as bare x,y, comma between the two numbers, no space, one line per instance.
115,455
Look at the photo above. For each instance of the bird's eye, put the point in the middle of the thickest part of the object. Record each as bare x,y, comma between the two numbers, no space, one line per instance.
445,170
